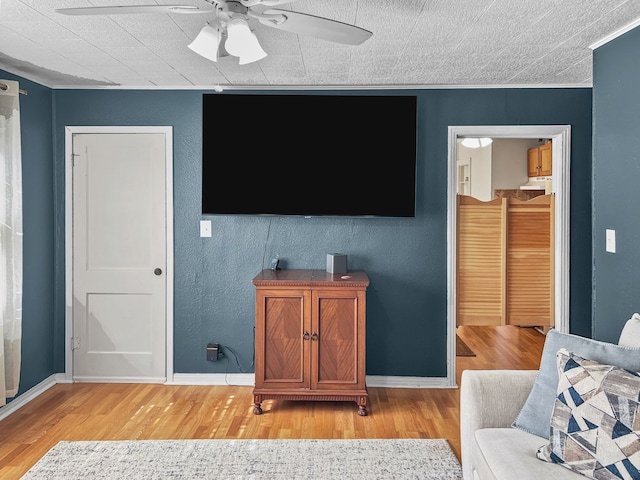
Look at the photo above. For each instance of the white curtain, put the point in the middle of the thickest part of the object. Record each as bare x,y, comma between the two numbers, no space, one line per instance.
10,240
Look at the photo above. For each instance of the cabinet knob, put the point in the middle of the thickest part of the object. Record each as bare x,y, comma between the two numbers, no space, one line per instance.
305,335
314,336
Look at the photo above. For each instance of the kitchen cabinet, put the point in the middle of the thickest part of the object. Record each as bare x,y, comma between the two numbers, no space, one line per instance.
539,162
310,337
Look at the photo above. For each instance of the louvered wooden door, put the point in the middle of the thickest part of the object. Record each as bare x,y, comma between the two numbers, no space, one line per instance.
505,262
481,261
530,269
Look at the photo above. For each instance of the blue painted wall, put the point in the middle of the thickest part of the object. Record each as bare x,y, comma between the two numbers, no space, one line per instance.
214,297
616,180
405,258
38,226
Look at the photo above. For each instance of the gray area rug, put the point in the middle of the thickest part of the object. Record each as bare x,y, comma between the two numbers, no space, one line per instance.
255,459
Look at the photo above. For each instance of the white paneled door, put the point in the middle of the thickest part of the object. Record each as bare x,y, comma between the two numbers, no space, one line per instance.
119,257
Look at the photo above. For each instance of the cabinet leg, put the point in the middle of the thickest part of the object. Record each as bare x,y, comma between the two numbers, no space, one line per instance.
362,406
257,404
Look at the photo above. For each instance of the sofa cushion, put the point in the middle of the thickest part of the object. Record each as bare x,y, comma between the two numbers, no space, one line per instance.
630,335
535,416
508,453
595,427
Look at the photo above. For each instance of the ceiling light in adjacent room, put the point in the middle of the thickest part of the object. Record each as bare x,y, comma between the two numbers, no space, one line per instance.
473,142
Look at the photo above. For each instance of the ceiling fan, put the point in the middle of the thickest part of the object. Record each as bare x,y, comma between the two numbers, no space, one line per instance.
230,33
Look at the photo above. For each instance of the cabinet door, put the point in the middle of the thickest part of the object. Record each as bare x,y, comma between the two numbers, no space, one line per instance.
532,163
337,340
545,160
282,349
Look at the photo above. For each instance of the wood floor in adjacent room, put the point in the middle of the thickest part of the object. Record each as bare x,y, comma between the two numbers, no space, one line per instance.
87,411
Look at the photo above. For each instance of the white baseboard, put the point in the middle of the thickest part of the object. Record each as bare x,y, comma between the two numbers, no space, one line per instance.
234,379
119,380
31,394
407,382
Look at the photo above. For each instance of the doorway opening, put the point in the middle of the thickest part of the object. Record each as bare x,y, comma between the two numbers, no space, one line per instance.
560,136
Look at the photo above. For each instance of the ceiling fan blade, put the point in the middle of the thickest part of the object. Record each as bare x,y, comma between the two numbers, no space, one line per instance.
264,3
274,3
124,9
312,26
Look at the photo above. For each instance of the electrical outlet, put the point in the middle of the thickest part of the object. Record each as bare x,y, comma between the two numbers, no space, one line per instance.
213,352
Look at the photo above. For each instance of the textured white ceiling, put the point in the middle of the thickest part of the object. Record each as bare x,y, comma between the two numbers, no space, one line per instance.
417,43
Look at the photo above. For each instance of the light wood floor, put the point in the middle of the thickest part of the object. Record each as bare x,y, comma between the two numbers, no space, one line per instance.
123,411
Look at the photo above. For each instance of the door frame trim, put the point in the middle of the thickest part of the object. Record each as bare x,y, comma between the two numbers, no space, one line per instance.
561,154
169,270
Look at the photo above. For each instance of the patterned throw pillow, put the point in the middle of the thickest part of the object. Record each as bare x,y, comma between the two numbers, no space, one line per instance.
595,427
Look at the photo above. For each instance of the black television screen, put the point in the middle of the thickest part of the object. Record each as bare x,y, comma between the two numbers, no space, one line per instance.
309,155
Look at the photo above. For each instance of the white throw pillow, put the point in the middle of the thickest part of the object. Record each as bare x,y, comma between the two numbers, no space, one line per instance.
630,336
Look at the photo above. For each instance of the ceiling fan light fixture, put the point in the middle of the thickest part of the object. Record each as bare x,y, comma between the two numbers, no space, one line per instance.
242,42
207,42
231,33
473,142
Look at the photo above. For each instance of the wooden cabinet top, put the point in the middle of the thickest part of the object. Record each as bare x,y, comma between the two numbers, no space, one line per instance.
310,278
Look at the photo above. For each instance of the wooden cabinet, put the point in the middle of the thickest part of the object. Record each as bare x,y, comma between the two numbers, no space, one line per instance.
310,337
539,161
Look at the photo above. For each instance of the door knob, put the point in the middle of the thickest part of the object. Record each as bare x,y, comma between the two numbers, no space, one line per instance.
158,271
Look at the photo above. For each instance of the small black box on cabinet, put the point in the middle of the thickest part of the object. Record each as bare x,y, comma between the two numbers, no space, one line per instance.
336,263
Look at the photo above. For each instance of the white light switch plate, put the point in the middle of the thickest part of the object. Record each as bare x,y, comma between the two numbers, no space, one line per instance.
611,241
205,228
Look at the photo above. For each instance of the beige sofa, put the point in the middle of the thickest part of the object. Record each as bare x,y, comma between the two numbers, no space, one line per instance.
490,447
490,401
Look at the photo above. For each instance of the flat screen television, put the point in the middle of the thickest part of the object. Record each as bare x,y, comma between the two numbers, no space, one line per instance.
309,155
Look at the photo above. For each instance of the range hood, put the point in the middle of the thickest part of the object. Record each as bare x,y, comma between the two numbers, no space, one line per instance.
537,183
